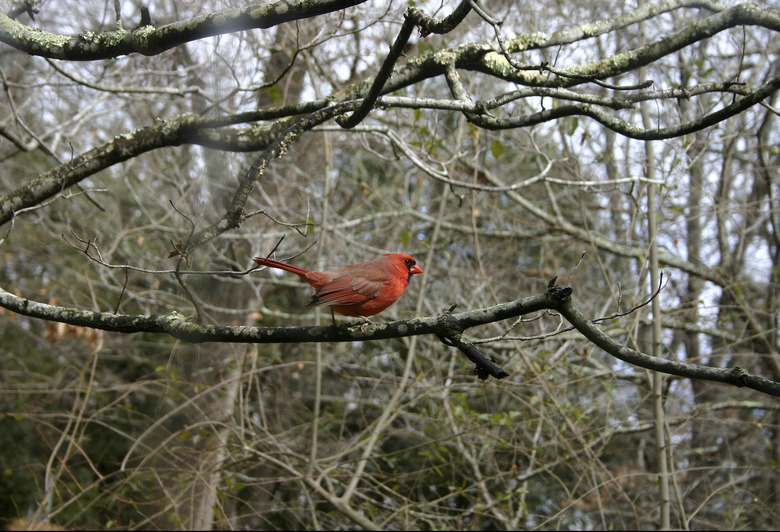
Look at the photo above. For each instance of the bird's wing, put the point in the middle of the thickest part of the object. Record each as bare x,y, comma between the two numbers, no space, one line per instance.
349,289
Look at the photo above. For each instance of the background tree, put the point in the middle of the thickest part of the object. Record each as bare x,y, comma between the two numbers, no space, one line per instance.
147,153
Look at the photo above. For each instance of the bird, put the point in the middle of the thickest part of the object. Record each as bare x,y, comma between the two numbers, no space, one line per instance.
358,290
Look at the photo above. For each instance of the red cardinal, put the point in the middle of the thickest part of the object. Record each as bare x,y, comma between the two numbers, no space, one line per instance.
357,290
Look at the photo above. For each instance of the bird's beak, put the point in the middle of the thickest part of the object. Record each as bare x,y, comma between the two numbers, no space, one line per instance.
415,269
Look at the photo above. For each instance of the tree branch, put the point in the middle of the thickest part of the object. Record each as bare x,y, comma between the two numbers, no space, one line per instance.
447,326
179,130
235,213
148,40
413,18
736,376
628,129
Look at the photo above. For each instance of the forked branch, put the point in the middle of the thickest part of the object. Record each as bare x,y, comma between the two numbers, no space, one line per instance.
448,326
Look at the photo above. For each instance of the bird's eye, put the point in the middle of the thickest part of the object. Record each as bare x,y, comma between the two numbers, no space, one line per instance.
409,262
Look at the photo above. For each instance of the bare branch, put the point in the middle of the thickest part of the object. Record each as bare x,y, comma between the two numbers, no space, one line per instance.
445,326
148,40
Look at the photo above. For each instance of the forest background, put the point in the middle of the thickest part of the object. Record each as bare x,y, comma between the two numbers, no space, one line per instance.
590,188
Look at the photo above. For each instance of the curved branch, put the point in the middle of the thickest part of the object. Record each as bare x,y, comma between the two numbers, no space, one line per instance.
148,40
625,128
447,326
178,326
179,130
736,376
488,58
197,130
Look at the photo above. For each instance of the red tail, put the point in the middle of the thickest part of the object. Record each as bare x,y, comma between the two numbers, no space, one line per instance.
300,272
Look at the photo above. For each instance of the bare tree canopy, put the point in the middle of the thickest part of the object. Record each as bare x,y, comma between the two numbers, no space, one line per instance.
590,188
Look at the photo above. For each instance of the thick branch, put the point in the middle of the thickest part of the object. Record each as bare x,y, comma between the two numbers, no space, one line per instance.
448,326
736,376
180,130
489,59
191,129
625,128
178,326
148,40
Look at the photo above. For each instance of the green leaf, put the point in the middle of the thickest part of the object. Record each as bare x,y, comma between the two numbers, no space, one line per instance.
569,124
496,148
